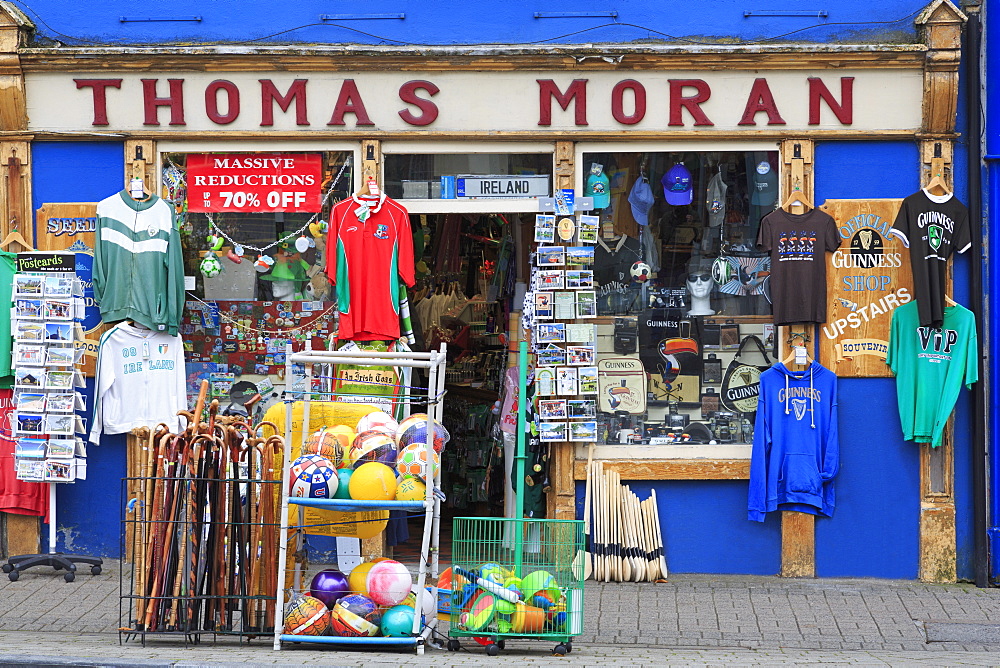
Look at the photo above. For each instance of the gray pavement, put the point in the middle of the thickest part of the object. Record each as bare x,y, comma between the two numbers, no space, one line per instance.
692,620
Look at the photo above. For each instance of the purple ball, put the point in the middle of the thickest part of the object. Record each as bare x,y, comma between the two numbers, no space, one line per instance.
328,586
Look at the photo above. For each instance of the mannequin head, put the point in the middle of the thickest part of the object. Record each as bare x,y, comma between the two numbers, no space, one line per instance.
699,287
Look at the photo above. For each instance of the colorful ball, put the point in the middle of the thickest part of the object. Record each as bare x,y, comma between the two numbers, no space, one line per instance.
306,616
358,579
343,487
329,585
389,582
480,613
373,481
397,622
355,616
325,444
411,489
373,446
377,420
414,430
313,477
412,461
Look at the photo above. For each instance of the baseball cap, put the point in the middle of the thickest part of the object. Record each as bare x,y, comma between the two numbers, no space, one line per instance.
599,188
677,185
641,199
765,184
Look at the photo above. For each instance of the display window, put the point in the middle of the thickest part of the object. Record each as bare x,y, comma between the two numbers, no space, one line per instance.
682,291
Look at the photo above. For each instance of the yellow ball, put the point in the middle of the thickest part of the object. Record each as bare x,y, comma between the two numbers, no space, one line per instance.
344,434
358,579
373,481
411,489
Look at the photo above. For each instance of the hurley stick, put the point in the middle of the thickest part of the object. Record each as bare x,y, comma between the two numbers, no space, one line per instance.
587,566
624,563
661,548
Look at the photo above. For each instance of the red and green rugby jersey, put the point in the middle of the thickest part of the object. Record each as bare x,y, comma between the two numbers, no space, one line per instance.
369,249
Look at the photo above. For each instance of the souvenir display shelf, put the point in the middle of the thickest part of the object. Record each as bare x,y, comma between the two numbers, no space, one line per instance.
427,568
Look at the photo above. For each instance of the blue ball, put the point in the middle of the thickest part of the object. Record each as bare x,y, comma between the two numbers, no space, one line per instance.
397,622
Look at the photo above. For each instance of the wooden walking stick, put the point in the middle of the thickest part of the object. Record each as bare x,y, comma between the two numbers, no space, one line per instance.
587,565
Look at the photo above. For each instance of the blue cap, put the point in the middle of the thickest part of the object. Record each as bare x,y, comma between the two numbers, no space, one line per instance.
677,185
641,199
599,188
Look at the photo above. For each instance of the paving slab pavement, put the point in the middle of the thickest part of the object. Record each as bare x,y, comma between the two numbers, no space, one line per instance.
692,620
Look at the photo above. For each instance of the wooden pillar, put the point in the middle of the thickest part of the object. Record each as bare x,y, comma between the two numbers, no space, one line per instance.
140,163
941,23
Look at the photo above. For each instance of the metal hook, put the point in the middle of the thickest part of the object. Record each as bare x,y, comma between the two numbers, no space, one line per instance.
798,335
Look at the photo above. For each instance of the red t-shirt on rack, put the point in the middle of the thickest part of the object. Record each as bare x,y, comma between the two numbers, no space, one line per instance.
17,496
369,249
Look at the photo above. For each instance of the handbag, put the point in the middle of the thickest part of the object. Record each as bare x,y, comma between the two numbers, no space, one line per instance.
741,384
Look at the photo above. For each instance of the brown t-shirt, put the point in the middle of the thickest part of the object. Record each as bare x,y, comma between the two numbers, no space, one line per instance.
798,244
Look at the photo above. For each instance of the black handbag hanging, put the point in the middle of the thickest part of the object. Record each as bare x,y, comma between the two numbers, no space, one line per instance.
741,384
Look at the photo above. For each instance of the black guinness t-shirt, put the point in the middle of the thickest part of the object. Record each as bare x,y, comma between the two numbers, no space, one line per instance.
613,262
932,226
798,243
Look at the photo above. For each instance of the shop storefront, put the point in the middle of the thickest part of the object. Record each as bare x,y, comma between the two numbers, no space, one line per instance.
683,151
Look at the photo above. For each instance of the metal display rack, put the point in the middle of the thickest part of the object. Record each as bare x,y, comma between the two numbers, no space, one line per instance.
433,397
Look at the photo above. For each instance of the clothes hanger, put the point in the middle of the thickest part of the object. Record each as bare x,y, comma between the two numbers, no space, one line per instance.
937,185
791,355
796,197
15,237
949,301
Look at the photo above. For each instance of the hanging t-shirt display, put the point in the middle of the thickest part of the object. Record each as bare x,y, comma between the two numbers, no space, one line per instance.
370,248
140,381
932,226
7,269
613,260
931,365
798,244
138,262
796,443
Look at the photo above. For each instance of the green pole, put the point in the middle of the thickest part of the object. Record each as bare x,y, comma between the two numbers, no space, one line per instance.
519,455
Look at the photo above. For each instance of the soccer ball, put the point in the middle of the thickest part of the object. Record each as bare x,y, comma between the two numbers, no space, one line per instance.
210,266
325,444
412,461
355,616
306,616
373,446
313,477
640,272
414,430
377,420
722,271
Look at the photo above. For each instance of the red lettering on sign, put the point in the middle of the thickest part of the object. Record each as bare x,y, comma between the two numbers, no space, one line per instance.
576,92
408,94
99,90
638,102
212,101
269,95
844,110
174,100
760,99
678,101
349,102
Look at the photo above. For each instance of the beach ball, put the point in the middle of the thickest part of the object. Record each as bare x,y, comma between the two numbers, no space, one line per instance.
343,487
389,582
379,420
397,622
306,616
373,446
411,489
329,585
414,430
373,481
355,616
313,477
325,444
412,461
358,579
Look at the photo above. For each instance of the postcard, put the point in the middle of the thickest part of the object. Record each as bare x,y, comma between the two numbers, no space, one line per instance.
59,380
31,377
57,309
580,255
551,355
60,356
550,279
550,332
59,286
61,448
581,409
551,431
29,402
62,402
550,256
543,305
577,279
27,330
58,331
29,423
26,354
58,470
545,228
583,431
545,381
30,469
588,379
29,285
565,305
581,333
566,377
60,424
586,229
30,309
580,355
33,448
552,409
586,304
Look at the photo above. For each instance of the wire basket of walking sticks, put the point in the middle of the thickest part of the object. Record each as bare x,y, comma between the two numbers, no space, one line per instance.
201,529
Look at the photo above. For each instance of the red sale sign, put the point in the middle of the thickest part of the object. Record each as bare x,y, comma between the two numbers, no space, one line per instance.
254,182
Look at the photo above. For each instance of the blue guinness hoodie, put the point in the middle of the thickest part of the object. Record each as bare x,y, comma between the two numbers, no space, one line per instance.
796,451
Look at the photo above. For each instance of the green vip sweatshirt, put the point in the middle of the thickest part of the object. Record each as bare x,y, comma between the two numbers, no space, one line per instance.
138,267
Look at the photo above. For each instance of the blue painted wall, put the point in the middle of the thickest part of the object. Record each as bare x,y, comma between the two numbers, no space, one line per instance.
462,22
88,511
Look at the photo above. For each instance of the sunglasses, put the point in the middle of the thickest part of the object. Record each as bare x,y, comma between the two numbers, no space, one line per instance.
701,277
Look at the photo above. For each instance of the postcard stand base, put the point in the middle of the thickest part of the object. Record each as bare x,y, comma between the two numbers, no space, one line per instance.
57,560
